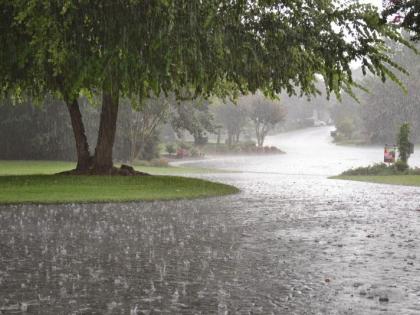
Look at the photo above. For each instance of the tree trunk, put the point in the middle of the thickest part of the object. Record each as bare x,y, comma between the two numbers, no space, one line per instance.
258,134
107,127
237,136
229,138
84,160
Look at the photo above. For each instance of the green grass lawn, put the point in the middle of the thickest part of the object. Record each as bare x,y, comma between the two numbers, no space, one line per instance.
53,167
406,180
32,182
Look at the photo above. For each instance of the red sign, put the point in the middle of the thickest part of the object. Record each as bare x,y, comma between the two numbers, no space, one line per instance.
389,153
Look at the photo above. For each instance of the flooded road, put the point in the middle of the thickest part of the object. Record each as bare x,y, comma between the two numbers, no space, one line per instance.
292,242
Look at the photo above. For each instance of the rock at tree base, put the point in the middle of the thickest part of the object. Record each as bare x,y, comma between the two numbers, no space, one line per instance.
124,170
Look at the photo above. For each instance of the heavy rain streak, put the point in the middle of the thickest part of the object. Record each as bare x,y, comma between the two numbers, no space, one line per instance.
209,157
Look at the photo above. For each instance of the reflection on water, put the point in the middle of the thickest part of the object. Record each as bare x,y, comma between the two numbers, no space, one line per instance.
288,244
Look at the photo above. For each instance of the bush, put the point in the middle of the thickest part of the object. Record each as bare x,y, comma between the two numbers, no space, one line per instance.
345,127
150,148
181,153
248,146
381,169
401,165
201,140
414,171
170,148
375,169
184,146
194,152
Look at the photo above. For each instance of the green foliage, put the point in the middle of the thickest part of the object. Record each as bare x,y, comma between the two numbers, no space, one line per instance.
248,146
375,169
170,148
345,127
406,14
194,152
233,118
381,111
400,165
173,45
35,132
184,146
264,113
149,149
403,144
382,169
193,116
189,48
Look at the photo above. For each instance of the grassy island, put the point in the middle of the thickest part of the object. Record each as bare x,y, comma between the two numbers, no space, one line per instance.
34,182
383,174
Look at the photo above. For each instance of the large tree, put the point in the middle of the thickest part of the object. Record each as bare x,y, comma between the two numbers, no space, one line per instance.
135,47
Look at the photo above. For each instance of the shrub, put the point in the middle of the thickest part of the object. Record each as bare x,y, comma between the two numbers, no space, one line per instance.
194,152
181,153
345,127
399,168
375,169
401,165
414,171
184,146
248,146
170,148
150,148
201,140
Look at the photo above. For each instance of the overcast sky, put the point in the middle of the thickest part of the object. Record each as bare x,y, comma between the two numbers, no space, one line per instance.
378,3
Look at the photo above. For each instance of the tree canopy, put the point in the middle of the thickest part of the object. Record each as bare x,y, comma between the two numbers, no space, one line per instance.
136,47
404,13
264,113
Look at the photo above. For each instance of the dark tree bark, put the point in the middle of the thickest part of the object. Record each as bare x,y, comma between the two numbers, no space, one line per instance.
237,136
84,159
107,127
229,138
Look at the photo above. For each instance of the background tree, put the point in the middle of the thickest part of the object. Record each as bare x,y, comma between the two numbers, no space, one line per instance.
193,116
142,122
381,110
264,113
404,146
233,118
